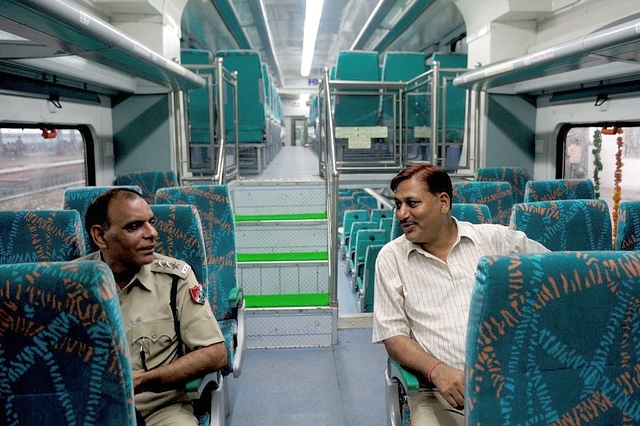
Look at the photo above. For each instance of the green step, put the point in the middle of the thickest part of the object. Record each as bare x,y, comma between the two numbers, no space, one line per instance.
280,217
286,300
282,257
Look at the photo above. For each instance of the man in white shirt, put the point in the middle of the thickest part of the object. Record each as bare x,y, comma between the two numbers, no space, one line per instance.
423,289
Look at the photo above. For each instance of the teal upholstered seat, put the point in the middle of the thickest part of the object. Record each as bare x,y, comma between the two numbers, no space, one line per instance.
363,239
349,217
351,242
40,235
404,66
559,189
64,355
628,232
565,224
516,176
180,236
149,182
552,339
357,110
496,195
251,96
474,213
376,215
80,199
218,224
365,280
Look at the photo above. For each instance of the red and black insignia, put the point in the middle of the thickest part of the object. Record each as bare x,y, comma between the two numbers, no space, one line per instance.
197,294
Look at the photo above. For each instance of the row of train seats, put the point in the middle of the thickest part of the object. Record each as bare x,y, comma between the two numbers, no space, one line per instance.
259,109
561,214
379,116
194,224
548,341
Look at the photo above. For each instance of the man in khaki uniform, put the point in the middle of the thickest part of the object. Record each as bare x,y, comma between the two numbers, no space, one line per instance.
173,335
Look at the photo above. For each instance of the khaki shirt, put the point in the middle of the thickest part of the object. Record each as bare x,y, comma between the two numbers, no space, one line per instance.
148,321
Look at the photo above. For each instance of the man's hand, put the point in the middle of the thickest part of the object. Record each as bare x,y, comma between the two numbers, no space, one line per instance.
450,383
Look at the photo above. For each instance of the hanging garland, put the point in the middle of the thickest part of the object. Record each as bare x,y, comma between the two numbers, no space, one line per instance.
617,176
597,163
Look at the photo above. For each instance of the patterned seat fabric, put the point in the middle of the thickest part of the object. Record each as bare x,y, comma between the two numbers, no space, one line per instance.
80,199
559,189
218,225
517,177
149,182
64,358
628,233
496,195
552,339
180,236
474,213
40,235
565,224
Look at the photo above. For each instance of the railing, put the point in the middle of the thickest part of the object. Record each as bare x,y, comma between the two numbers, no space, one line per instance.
220,85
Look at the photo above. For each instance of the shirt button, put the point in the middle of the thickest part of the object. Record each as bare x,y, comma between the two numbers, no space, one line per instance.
154,335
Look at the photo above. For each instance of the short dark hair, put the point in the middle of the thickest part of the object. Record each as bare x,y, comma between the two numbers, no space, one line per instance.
97,213
435,179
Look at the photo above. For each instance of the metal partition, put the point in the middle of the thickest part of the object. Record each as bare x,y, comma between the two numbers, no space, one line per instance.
217,159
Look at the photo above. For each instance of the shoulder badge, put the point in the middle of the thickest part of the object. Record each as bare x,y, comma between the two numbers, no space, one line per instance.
197,294
171,266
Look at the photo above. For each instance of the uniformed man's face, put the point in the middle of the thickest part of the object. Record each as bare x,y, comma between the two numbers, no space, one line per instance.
131,238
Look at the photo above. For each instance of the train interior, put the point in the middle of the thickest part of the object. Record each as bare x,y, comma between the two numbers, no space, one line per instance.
94,90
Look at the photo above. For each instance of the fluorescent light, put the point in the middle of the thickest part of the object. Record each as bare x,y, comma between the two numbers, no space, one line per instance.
313,11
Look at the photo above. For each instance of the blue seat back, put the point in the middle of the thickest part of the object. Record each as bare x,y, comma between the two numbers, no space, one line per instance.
218,225
628,232
565,224
251,97
40,235
376,215
149,182
516,176
396,229
404,66
65,357
559,189
365,238
80,199
474,213
180,236
355,228
357,110
496,195
552,337
350,217
386,223
365,283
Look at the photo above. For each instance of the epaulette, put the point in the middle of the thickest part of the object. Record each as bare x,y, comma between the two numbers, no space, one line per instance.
171,266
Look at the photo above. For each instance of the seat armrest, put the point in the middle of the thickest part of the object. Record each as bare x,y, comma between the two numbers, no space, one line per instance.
236,296
409,380
239,352
196,387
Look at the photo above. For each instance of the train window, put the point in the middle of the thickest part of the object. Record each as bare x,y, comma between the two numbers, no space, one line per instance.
37,165
608,155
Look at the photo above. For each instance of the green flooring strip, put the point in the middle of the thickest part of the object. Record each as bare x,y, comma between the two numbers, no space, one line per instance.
280,217
282,257
286,300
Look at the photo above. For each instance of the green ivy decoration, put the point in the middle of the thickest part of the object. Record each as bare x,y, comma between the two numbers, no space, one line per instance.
597,163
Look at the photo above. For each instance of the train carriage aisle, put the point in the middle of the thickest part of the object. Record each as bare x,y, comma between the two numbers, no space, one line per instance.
341,384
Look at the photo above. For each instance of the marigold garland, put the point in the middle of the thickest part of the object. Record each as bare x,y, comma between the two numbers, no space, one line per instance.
617,177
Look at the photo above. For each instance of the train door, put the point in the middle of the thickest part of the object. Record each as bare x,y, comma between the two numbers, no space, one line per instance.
299,133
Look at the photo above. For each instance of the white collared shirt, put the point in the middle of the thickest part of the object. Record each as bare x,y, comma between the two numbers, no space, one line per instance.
419,296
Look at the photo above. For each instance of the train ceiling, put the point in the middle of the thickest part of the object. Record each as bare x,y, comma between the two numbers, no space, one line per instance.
275,29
